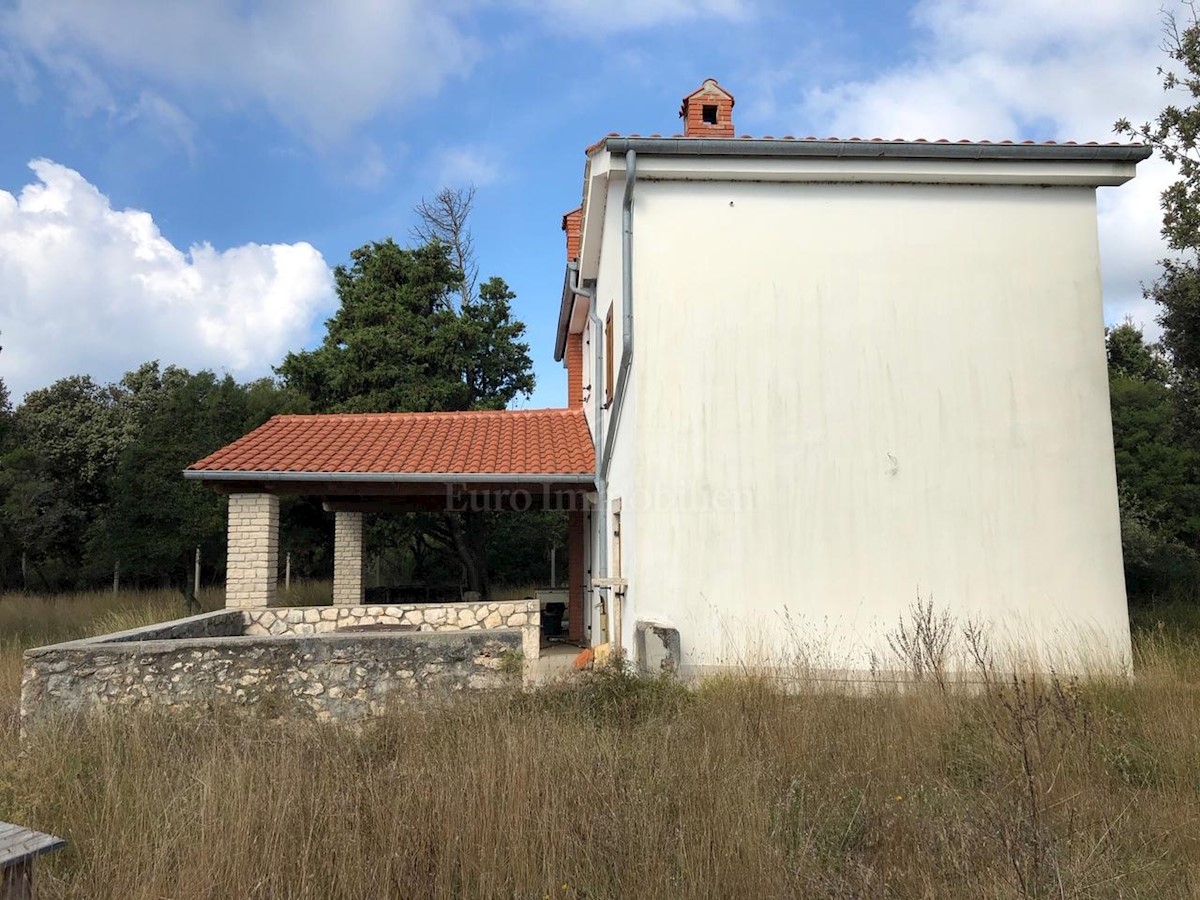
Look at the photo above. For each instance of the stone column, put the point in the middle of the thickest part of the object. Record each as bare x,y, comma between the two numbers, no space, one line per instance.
253,564
348,559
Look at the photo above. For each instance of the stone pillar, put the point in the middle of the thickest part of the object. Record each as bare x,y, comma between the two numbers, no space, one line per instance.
348,559
252,568
576,535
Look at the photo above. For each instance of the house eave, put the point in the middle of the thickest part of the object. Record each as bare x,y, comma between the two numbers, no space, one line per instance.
874,149
232,475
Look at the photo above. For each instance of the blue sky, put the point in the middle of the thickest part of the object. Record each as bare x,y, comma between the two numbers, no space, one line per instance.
204,163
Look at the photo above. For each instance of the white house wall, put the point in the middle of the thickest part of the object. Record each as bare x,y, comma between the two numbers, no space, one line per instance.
622,471
849,395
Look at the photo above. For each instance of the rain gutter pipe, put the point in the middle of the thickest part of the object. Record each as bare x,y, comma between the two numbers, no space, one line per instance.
601,567
618,399
618,402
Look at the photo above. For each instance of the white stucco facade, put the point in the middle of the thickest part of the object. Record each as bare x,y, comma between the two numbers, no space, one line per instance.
856,382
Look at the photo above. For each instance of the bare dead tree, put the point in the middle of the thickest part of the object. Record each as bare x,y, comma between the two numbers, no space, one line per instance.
444,218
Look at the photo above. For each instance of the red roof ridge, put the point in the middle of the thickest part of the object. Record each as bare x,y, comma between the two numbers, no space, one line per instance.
437,414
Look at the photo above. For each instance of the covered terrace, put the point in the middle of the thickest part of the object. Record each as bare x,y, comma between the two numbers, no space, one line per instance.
517,460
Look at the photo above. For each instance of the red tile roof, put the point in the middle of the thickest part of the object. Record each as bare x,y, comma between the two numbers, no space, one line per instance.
504,442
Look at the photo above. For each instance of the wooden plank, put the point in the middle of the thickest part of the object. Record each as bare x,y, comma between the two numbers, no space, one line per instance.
18,844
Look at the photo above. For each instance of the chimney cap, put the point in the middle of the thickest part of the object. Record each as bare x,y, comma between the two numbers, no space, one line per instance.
709,88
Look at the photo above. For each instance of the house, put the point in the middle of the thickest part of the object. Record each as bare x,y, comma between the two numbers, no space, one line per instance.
809,382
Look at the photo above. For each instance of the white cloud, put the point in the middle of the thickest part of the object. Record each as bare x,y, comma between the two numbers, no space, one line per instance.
85,288
165,119
1028,68
372,167
460,166
587,16
322,68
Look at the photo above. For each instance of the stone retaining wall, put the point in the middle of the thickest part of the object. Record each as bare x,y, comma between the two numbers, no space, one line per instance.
524,615
342,676
223,623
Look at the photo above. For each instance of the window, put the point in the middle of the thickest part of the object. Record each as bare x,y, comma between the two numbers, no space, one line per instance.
709,114
608,357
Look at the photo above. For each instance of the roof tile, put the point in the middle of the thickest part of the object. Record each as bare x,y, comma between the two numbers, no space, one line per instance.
534,442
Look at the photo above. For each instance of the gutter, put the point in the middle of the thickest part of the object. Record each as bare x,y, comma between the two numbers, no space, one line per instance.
735,147
614,412
564,310
393,477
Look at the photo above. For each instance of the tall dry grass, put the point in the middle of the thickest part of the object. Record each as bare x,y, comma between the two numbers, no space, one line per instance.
615,787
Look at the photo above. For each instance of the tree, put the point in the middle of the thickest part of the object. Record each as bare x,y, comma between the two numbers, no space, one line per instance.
1156,390
446,220
156,519
5,414
65,440
396,343
1174,134
1158,469
400,343
493,358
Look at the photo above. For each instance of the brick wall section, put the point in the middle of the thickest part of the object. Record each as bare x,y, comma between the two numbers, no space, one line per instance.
571,225
692,112
252,569
574,359
348,559
576,536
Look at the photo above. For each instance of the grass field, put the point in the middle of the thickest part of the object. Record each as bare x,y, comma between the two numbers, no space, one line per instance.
613,787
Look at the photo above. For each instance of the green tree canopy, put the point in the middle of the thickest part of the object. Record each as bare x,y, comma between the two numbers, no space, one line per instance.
1158,469
1174,134
90,475
156,519
398,344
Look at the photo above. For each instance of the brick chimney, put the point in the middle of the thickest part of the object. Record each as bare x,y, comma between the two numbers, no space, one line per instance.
571,223
708,111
